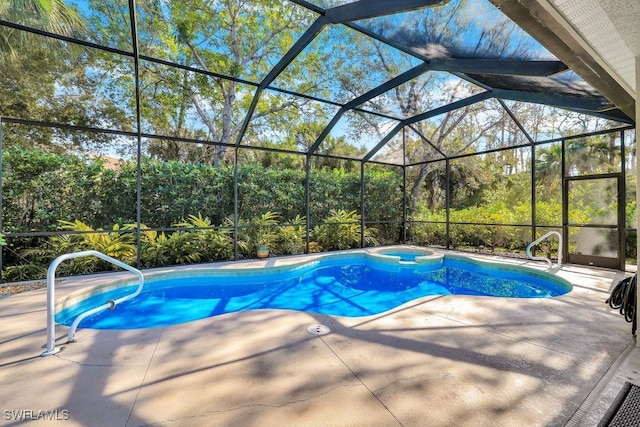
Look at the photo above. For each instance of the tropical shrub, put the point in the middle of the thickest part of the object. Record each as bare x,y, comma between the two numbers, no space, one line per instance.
258,231
212,244
20,272
631,214
341,230
182,248
427,234
154,248
291,238
119,243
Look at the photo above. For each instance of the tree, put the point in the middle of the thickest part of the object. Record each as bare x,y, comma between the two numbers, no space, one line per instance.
53,16
42,78
449,32
230,41
28,65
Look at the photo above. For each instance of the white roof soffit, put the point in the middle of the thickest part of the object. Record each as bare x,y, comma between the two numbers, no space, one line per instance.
599,33
572,38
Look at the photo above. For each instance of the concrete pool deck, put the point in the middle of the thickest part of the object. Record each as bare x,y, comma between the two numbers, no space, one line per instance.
439,361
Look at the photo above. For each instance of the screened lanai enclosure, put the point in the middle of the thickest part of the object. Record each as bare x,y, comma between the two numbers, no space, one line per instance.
176,132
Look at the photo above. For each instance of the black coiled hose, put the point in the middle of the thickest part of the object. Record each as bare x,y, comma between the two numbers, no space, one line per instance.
623,297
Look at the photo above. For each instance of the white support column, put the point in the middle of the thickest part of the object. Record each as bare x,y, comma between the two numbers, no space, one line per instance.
637,177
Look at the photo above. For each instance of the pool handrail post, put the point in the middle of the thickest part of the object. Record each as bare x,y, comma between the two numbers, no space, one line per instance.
541,258
51,275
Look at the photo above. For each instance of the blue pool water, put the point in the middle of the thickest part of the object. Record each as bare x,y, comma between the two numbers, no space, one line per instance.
346,287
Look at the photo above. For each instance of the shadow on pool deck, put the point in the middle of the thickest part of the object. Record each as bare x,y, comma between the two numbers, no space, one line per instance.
439,361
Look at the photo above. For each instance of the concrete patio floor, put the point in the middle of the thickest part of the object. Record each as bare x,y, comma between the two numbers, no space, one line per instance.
439,361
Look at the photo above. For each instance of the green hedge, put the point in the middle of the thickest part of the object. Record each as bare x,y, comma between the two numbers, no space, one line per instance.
40,188
48,192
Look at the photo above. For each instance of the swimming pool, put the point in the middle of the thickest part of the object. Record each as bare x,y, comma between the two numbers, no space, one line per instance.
347,284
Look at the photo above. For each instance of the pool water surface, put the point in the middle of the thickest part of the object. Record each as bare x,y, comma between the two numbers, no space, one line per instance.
351,287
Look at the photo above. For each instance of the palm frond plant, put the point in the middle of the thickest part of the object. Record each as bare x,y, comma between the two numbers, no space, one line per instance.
257,235
119,243
154,248
341,230
215,244
182,248
265,232
291,238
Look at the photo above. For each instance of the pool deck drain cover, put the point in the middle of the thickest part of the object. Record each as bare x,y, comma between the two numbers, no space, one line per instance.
625,410
318,330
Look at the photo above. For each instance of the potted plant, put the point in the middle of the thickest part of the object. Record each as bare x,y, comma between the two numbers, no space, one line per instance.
262,251
264,232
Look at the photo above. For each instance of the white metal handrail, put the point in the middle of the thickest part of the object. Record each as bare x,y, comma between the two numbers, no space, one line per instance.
111,304
541,258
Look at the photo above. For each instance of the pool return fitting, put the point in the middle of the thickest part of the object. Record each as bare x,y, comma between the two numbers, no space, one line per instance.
110,304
